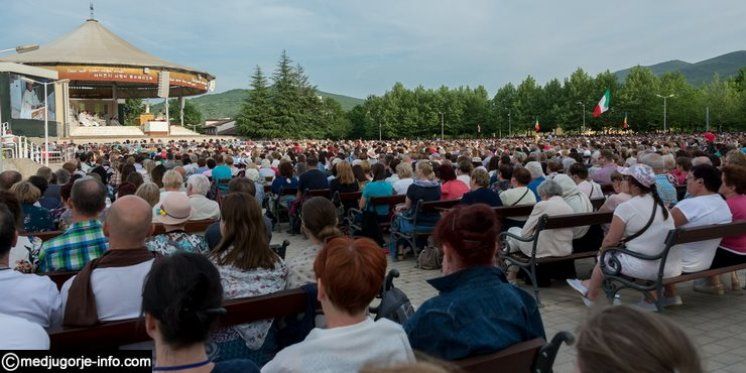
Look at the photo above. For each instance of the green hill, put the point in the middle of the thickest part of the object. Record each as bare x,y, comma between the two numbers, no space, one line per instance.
700,72
228,103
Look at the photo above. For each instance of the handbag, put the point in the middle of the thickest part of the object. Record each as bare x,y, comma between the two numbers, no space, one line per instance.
430,258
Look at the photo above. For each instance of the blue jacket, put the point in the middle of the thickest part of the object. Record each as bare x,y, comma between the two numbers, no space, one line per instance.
477,312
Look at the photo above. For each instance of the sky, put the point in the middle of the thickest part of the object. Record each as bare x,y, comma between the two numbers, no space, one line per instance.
359,48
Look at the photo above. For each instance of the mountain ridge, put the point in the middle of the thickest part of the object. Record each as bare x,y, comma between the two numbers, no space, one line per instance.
697,73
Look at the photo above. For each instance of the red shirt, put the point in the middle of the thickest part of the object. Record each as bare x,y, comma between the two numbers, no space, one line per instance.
453,189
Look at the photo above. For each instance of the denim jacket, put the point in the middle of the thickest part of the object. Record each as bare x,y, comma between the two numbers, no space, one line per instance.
477,312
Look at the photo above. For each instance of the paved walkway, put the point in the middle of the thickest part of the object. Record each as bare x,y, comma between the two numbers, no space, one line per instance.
716,324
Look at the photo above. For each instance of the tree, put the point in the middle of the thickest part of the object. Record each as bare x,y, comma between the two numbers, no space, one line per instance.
256,117
637,95
132,109
192,116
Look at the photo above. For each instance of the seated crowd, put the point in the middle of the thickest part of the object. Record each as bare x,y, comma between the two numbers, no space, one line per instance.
107,204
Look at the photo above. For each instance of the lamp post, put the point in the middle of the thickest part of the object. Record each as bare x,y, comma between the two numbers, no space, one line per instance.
442,125
582,129
510,127
380,131
665,98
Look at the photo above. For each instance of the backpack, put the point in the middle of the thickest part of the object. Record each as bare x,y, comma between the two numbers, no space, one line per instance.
395,305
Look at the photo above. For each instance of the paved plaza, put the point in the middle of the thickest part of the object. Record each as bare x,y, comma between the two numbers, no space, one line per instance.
717,324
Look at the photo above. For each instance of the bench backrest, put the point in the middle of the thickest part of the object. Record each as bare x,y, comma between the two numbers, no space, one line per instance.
44,236
513,211
706,232
194,226
60,277
348,196
576,220
110,335
517,358
390,201
326,193
437,206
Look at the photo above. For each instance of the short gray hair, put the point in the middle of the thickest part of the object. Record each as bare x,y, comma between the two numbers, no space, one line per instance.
198,184
535,169
549,188
63,176
655,161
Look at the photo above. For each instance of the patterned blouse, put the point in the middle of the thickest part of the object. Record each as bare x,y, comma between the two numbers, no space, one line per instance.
300,267
238,283
176,241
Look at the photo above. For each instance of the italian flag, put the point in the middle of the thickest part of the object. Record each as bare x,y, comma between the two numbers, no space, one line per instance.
625,125
537,127
603,104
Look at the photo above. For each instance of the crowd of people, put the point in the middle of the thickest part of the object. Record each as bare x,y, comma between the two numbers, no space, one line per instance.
105,202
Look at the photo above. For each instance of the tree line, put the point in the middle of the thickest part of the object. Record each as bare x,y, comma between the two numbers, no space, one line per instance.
289,107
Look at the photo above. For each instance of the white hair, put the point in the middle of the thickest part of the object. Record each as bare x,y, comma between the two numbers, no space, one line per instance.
535,169
198,184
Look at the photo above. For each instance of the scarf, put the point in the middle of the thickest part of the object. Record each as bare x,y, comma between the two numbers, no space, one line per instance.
81,306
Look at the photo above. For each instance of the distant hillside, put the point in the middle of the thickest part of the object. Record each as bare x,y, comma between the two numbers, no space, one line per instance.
227,104
701,72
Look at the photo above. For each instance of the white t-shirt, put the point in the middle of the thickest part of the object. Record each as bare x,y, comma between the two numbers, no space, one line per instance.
591,189
401,185
699,211
466,179
31,297
635,213
20,334
346,349
118,291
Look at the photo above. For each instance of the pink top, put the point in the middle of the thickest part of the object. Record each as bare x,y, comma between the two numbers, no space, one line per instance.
737,205
453,189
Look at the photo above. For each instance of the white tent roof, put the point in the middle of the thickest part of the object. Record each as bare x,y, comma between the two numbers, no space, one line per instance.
94,44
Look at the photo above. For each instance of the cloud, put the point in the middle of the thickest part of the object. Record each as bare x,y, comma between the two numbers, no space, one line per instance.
361,47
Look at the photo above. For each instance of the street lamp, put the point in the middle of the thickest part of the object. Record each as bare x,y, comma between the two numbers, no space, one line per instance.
442,126
582,129
665,98
46,113
21,48
510,127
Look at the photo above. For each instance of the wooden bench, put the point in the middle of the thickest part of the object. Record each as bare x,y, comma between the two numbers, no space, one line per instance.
421,230
615,280
529,264
192,226
354,223
534,356
60,277
111,335
326,193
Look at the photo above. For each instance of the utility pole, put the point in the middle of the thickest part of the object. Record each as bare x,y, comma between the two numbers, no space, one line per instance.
582,129
380,131
665,98
707,118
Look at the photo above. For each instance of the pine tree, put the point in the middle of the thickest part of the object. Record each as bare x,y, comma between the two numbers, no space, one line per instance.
256,117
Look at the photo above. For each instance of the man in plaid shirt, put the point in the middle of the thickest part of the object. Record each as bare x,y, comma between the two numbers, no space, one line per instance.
84,240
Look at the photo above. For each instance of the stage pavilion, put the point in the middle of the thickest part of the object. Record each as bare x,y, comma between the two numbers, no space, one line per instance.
96,71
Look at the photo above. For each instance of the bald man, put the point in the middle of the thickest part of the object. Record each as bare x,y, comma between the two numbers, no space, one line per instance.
8,178
115,279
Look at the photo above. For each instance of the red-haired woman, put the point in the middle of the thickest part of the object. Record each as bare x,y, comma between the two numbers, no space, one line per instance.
477,311
349,274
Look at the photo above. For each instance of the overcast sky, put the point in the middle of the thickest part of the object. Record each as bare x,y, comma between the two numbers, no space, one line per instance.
358,48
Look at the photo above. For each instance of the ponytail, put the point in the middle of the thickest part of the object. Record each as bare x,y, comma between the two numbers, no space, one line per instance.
659,201
328,232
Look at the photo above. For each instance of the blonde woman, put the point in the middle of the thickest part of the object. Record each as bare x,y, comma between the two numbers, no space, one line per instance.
35,218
